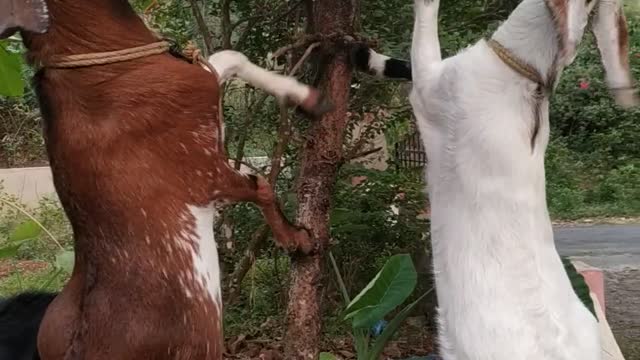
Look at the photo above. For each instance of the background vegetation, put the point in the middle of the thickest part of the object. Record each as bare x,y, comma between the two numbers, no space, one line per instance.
593,161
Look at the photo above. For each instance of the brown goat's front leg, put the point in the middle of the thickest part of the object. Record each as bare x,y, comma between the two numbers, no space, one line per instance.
236,187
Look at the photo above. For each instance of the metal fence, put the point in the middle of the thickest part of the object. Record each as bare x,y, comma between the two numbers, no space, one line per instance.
410,153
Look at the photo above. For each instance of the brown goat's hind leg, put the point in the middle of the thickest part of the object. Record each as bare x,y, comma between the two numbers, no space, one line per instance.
256,189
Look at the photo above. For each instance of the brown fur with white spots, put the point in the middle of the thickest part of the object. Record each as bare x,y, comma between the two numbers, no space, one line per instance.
135,151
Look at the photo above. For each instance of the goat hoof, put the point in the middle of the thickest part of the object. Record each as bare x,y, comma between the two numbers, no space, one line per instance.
303,242
316,104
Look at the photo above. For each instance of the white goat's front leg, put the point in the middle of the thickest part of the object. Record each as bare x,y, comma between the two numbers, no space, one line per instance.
425,47
229,63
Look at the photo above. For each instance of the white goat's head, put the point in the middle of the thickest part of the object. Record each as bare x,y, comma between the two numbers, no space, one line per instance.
609,26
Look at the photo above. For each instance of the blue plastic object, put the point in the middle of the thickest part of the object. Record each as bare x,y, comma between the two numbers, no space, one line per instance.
378,328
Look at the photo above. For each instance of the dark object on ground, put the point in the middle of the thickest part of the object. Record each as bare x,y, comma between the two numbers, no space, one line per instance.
20,318
579,285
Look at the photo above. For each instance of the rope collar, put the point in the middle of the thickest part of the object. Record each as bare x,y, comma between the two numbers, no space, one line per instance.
528,71
518,65
110,57
191,52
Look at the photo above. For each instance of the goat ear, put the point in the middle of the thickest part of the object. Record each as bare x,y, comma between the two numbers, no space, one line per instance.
610,29
560,12
26,15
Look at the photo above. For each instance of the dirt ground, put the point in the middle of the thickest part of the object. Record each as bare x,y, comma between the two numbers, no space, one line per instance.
7,267
413,339
623,309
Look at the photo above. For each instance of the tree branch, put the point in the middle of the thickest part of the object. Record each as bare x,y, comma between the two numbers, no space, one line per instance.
303,41
253,20
304,57
258,239
225,23
308,39
245,125
202,26
260,236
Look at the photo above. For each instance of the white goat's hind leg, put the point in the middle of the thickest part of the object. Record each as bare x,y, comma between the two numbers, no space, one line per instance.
229,63
425,47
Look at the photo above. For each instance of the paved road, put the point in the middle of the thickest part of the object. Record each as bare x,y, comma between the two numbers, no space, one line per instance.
611,247
616,250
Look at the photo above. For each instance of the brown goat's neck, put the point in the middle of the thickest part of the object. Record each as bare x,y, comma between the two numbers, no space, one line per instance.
81,27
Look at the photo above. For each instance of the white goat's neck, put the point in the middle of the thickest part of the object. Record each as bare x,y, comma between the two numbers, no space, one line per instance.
530,34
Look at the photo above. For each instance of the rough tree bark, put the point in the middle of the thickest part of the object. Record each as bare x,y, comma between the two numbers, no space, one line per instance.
321,157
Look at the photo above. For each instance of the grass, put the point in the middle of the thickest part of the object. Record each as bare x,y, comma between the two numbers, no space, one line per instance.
34,265
21,141
43,279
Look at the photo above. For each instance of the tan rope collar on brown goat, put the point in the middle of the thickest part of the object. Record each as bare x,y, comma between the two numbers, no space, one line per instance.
111,57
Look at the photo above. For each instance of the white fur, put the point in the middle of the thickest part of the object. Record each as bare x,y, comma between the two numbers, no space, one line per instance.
377,62
576,22
503,293
206,270
604,25
229,63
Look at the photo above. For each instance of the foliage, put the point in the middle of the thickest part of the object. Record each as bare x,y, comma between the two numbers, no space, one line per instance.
11,82
264,294
21,234
393,284
593,161
25,234
579,285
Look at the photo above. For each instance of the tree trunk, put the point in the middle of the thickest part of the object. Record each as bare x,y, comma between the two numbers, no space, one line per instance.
321,158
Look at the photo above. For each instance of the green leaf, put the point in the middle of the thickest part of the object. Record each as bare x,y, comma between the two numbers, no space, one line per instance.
392,327
11,249
11,82
327,356
343,216
390,288
28,230
579,285
65,260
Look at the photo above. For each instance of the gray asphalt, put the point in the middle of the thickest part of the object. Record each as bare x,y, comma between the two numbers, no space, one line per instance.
610,247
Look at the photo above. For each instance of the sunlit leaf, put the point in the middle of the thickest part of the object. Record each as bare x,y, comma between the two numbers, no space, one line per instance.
327,356
10,250
390,288
25,231
11,82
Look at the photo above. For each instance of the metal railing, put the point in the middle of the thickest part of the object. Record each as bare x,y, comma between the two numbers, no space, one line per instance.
409,153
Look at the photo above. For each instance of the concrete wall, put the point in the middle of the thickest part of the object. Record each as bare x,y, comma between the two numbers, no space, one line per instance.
29,185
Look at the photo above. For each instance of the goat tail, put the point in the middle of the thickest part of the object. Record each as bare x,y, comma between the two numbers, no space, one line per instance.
20,318
367,60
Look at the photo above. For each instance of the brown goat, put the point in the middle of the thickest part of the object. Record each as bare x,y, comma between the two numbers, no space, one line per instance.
136,152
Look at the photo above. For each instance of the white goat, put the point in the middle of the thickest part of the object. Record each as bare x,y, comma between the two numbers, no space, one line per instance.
483,114
503,293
